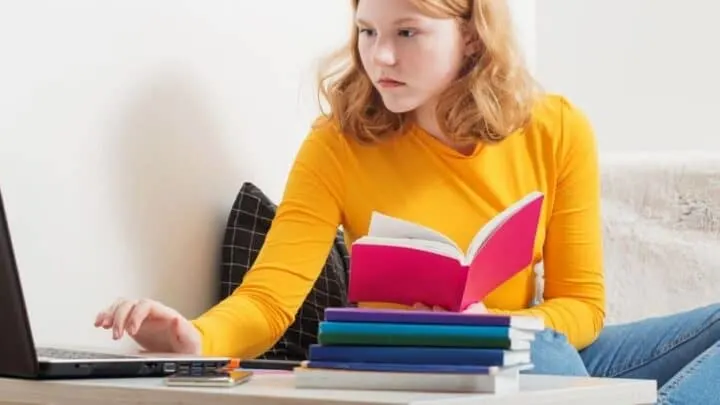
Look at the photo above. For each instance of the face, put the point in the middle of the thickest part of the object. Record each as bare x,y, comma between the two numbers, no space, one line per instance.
410,57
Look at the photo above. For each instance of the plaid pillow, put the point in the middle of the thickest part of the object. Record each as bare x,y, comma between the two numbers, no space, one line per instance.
247,226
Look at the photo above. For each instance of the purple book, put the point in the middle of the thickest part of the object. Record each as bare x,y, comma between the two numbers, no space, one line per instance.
431,318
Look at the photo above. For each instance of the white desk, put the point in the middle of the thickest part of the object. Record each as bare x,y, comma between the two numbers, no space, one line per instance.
279,390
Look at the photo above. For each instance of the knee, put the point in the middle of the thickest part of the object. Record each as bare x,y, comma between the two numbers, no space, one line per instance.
705,320
713,309
709,310
701,317
551,353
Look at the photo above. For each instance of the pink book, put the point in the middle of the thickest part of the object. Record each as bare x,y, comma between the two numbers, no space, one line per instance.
404,263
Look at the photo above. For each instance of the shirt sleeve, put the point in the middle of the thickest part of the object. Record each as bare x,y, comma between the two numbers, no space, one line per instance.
574,290
255,316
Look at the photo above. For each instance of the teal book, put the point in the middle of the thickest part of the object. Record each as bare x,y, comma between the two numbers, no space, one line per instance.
399,334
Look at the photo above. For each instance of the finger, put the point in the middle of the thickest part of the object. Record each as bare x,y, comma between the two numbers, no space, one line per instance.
438,308
477,308
105,318
99,318
120,317
137,316
420,306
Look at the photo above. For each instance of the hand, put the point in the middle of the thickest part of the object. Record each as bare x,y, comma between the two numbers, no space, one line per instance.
423,307
477,308
154,326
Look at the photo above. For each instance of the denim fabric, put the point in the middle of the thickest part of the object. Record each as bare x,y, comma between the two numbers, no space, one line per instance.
681,352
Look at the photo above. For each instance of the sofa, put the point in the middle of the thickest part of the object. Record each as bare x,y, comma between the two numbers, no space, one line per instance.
661,229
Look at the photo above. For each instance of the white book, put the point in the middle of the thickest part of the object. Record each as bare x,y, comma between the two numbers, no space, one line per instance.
504,380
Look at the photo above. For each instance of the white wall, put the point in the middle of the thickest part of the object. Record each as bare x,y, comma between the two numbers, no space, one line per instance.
645,71
524,15
126,129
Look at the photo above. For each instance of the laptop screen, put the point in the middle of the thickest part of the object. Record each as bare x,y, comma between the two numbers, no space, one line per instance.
17,349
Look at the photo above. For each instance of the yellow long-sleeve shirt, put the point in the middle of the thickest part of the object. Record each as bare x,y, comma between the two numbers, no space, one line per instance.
336,180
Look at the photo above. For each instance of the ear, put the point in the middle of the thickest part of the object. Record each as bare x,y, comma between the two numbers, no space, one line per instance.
471,39
473,48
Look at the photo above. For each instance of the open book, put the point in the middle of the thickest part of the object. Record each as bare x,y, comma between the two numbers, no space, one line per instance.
405,263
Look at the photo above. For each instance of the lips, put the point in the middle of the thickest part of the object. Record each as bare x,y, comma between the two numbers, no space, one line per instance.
389,83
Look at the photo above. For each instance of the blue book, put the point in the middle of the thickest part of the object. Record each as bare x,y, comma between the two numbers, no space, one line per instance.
418,355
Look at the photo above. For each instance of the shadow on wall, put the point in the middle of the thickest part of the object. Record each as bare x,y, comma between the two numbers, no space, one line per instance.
175,185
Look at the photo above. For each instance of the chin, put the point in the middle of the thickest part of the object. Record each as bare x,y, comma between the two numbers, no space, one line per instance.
399,106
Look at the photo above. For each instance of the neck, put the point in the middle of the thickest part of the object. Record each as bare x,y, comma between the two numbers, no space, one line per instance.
427,120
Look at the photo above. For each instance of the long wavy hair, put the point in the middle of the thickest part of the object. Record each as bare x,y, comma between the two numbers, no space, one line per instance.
492,97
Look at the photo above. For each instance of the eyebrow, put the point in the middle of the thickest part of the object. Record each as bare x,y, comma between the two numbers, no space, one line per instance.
399,21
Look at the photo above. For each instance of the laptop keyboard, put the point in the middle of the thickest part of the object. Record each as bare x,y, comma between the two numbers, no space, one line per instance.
76,354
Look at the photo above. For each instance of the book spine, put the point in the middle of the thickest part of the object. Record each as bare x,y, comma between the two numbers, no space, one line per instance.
385,334
369,339
418,317
403,368
408,355
401,329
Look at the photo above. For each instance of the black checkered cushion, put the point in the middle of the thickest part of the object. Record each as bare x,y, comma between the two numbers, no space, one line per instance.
247,226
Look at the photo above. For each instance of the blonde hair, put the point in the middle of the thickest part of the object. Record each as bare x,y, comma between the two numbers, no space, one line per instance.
492,97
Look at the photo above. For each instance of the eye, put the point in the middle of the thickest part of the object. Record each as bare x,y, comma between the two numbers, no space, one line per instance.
407,33
367,31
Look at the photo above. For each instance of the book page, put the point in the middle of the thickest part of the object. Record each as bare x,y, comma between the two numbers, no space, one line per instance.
385,226
496,222
430,246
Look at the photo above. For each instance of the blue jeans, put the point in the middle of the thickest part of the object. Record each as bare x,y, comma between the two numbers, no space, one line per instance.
681,352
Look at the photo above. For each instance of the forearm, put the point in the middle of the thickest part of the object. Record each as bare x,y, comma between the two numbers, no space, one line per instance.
581,322
295,249
242,326
257,314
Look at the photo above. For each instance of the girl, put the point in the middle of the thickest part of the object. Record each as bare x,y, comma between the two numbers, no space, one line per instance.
435,119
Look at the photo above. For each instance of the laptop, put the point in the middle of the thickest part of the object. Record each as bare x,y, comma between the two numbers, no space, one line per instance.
20,358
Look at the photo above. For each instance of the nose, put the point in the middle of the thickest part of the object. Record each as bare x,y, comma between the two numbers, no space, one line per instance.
385,53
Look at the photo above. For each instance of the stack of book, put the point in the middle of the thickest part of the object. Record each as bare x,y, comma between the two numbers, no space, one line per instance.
385,349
